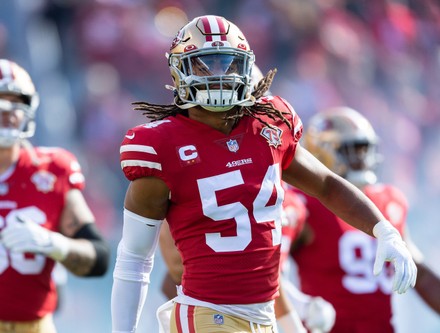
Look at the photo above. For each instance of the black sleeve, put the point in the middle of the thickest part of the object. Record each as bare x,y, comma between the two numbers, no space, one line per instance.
90,232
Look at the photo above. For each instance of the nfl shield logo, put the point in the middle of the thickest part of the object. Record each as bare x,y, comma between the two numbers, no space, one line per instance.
232,145
218,319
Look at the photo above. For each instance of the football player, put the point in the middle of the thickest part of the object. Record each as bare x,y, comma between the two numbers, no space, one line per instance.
44,217
345,142
211,164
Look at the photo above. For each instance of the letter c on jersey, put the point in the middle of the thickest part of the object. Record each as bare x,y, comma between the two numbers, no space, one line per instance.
187,153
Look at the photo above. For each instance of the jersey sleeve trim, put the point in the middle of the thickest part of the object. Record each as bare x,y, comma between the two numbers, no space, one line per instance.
129,150
298,128
138,148
135,163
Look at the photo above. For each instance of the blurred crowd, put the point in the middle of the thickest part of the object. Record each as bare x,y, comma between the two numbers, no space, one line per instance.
91,58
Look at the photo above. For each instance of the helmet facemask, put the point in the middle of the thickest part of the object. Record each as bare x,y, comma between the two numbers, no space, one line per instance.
358,160
216,79
16,122
18,103
211,64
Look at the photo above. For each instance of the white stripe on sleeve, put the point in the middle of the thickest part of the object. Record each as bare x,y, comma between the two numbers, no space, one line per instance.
137,148
146,164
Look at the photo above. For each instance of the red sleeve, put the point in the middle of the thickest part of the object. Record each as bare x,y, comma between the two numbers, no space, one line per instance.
65,164
139,152
295,121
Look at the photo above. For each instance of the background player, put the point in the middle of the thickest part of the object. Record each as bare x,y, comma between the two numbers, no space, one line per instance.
346,142
44,217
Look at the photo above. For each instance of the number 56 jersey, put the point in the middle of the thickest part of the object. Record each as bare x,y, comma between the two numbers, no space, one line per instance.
35,188
225,198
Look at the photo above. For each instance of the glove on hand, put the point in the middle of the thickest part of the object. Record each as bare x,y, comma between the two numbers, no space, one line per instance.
391,247
24,235
320,315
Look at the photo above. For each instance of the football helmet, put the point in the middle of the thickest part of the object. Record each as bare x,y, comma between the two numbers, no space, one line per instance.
211,63
17,118
344,140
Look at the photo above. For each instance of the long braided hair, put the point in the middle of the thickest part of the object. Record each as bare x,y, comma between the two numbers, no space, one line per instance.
158,112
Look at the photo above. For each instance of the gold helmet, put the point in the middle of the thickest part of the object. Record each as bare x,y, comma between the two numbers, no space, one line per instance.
344,140
15,81
211,63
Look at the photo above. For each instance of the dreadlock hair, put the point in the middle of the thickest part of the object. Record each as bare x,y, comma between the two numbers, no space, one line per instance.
158,112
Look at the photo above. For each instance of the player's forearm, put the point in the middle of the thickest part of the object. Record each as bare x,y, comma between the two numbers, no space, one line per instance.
127,300
350,204
169,286
287,317
282,305
428,287
131,275
88,252
81,257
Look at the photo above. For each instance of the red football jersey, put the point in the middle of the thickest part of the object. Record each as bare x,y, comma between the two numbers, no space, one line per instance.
338,264
294,216
226,198
35,190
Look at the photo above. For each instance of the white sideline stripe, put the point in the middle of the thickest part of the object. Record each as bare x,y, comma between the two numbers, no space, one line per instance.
138,148
132,163
184,318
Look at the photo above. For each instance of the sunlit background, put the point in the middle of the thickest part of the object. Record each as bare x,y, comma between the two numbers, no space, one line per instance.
91,59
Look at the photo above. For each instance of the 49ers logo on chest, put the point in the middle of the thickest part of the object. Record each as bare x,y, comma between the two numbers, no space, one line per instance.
272,135
44,181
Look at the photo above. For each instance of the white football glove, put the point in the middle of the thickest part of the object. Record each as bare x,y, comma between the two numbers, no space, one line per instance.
24,235
317,314
320,315
391,247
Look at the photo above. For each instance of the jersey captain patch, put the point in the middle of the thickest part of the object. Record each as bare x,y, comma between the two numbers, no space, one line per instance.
272,135
188,155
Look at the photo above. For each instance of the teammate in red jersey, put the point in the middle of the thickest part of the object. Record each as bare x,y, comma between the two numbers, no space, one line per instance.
346,142
212,165
43,215
317,314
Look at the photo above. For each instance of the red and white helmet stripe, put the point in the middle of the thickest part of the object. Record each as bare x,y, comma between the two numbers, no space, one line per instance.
6,70
215,28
